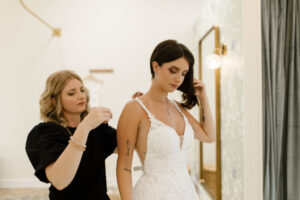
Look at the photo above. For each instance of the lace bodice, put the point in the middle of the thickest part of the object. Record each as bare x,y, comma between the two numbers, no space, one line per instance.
165,167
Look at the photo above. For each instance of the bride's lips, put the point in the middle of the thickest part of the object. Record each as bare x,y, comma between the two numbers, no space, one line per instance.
174,86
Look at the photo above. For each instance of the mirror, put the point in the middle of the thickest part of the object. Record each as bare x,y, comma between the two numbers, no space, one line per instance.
210,51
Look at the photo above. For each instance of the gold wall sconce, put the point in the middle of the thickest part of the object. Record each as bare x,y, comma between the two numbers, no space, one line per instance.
210,169
56,32
215,60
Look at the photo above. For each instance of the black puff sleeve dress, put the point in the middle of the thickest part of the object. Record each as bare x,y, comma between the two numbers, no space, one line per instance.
47,141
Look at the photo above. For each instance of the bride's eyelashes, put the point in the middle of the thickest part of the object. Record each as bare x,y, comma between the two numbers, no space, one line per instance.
174,71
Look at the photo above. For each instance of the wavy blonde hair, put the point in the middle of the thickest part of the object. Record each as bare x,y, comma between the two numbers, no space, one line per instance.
54,85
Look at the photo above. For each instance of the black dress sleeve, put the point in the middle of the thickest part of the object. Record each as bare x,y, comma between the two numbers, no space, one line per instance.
44,145
109,136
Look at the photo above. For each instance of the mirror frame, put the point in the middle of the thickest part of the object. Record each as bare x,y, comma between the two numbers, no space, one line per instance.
218,50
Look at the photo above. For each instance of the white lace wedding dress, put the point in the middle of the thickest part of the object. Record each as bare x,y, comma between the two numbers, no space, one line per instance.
165,175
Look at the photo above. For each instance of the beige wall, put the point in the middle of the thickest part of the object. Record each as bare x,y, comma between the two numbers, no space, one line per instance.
253,140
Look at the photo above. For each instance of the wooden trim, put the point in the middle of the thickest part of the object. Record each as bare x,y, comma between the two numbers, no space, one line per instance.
108,70
218,111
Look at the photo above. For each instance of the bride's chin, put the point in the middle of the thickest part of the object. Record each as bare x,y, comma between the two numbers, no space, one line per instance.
171,90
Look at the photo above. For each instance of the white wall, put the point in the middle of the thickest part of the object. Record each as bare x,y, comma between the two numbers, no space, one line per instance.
112,33
253,140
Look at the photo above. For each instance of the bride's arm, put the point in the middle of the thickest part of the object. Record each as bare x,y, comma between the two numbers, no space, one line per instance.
135,95
204,131
126,138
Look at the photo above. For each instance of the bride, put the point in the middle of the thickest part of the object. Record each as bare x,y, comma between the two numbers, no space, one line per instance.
161,130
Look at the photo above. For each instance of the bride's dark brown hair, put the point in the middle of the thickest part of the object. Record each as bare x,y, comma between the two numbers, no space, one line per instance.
170,50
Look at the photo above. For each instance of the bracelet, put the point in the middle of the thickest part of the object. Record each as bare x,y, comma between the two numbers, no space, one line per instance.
76,142
74,145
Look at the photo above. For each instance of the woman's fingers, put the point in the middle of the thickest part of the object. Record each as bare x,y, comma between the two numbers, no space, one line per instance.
137,94
101,114
198,83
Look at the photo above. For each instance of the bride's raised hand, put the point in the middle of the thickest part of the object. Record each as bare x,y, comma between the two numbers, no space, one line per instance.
199,86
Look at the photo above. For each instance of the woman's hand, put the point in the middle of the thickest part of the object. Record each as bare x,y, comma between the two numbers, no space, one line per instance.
97,116
199,88
136,94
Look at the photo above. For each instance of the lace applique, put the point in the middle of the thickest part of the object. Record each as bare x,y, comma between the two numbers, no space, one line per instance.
165,175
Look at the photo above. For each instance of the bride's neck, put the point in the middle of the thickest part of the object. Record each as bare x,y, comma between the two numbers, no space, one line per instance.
157,94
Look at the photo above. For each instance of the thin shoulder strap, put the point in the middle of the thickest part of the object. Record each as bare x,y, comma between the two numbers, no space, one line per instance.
176,105
144,107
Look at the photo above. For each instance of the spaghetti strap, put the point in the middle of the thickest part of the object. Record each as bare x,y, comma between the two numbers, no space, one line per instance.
176,105
144,107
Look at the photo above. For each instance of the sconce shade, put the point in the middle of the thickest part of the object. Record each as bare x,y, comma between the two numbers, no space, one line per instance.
213,61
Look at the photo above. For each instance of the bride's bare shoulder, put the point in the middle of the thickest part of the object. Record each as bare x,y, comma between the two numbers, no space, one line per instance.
133,108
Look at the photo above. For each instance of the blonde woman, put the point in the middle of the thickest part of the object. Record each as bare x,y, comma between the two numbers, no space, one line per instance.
70,147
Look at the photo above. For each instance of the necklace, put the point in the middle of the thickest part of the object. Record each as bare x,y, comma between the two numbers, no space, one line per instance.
69,131
168,109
